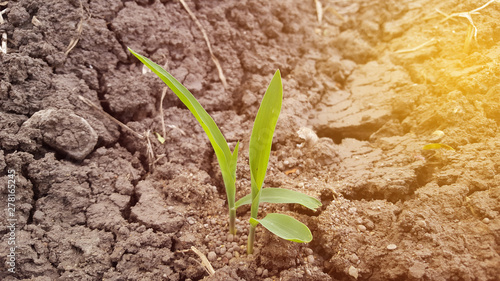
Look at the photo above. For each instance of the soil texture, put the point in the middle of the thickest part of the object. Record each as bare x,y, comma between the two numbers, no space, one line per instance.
390,117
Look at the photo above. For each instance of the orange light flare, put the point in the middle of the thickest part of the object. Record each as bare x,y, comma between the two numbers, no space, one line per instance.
472,29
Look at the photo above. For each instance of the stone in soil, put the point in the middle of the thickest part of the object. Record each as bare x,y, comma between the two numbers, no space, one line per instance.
64,131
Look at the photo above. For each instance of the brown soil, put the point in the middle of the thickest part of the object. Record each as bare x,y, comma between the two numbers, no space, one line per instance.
375,80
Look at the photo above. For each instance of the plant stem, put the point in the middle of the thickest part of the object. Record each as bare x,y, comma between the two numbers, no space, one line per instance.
253,216
232,221
251,239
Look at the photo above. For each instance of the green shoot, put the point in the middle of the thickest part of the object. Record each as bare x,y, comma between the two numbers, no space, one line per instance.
436,151
160,138
430,146
281,225
261,140
281,195
226,158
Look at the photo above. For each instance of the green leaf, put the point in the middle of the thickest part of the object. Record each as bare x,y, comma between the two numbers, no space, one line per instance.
287,228
234,160
226,159
253,222
254,209
263,130
160,138
281,195
437,146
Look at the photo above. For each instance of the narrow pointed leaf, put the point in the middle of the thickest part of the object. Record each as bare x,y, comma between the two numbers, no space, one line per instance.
281,195
234,160
254,209
253,222
160,138
263,130
221,148
287,228
437,146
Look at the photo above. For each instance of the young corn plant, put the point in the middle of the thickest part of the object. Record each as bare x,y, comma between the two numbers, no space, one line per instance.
283,226
226,158
261,141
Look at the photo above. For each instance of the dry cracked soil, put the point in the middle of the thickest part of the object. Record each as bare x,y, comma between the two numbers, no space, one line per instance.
390,117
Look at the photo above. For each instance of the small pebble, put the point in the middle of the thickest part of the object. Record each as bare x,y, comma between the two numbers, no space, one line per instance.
265,273
230,238
308,251
310,259
259,271
369,224
391,247
422,223
222,250
353,272
327,265
123,230
353,258
361,228
229,255
212,256
486,220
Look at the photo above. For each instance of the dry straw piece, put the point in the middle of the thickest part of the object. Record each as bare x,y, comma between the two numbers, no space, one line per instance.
319,10
3,47
472,29
89,103
205,36
204,261
79,30
4,43
417,47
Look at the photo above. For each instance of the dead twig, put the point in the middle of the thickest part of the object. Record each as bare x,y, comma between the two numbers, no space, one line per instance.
4,43
150,152
204,261
472,29
79,30
214,58
333,11
1,15
89,103
415,48
35,21
3,47
163,93
319,10
163,126
75,39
